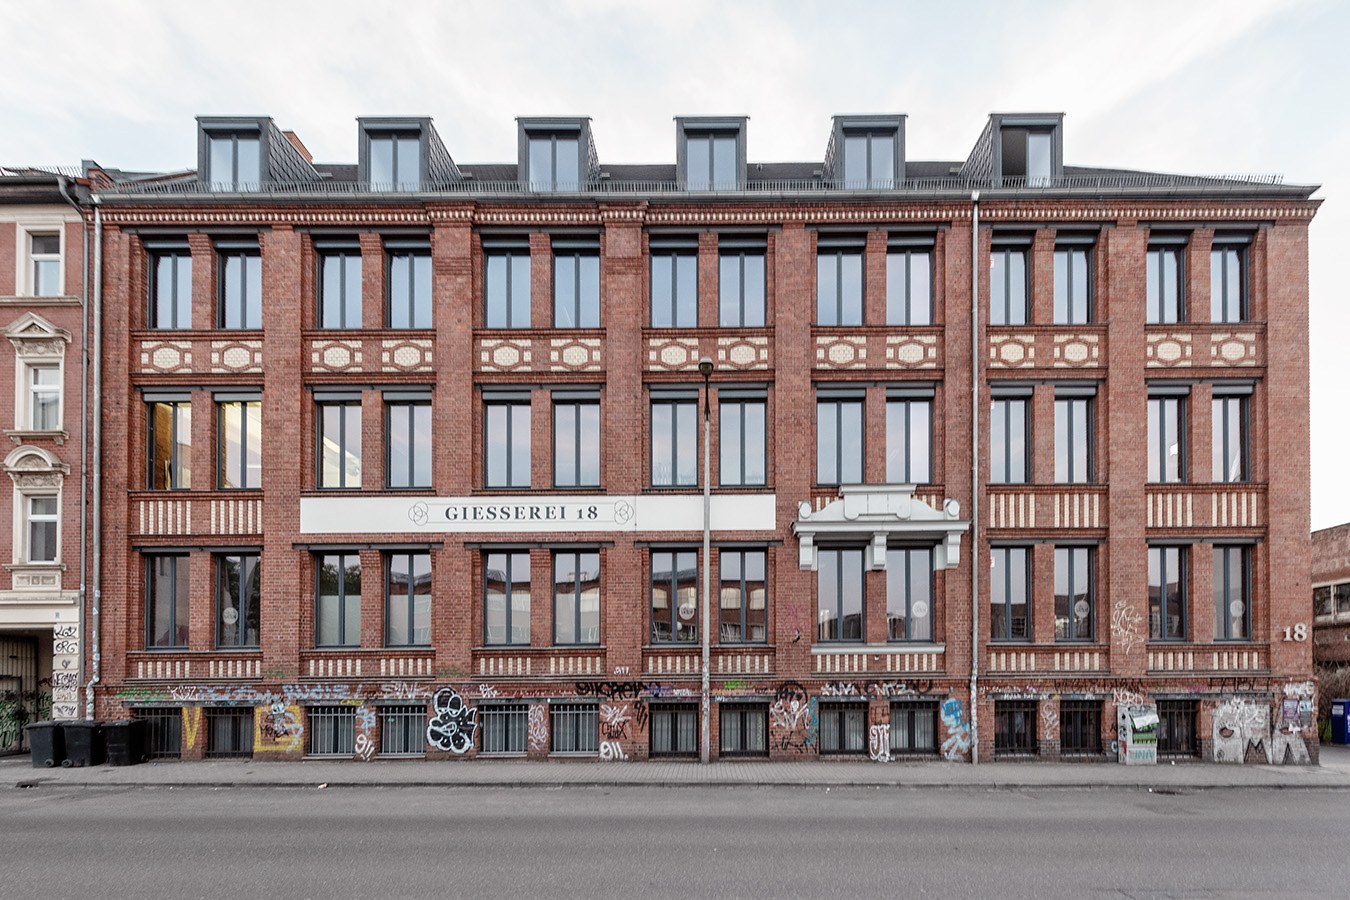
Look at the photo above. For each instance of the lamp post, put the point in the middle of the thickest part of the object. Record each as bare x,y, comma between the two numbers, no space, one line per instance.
705,368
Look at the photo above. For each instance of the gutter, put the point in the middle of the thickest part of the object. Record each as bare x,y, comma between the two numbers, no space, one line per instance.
974,476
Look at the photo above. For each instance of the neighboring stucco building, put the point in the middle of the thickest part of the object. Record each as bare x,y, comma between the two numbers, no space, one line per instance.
1331,595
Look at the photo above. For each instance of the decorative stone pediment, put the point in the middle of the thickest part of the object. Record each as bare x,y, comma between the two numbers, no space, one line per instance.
881,514
34,467
35,337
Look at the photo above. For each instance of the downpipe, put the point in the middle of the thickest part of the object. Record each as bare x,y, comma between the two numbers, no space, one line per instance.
974,477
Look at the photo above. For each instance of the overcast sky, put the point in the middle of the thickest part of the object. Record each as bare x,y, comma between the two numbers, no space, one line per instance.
1193,87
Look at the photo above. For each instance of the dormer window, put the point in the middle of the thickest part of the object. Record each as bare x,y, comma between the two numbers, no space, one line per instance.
1029,153
553,162
235,160
710,158
395,160
869,159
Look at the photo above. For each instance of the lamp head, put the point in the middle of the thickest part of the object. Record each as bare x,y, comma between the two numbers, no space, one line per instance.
705,367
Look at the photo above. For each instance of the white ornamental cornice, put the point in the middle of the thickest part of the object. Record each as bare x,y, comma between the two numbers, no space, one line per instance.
874,513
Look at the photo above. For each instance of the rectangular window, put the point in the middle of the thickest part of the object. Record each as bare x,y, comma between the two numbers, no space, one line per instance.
396,161
240,274
408,442
337,613
741,288
229,732
1232,594
1080,727
170,427
1323,604
44,253
166,601
1009,592
1177,732
744,597
1073,286
909,594
869,160
1073,440
839,441
674,288
1014,727
554,162
163,732
238,598
576,598
1342,592
576,443
235,161
407,600
171,289
42,524
673,731
507,432
506,598
909,441
914,728
506,286
839,595
843,728
1166,594
339,444
1230,439
674,597
240,436
576,288
909,286
1166,444
403,730
1164,296
574,728
409,286
743,730
44,398
1075,598
331,730
1008,441
674,442
506,728
839,285
710,161
1009,296
340,288
741,441
1227,284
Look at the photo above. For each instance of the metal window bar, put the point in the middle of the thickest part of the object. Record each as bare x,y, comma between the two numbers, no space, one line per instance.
403,730
1177,728
1014,727
914,728
332,730
843,728
505,728
229,733
674,731
575,728
1080,727
744,730
163,732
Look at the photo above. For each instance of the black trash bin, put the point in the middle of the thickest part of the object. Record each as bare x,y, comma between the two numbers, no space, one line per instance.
46,741
84,744
125,739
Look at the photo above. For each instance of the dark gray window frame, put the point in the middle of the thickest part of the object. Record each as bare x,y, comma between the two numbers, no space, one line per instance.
344,404
509,251
509,581
174,600
576,598
574,402
1080,727
838,400
1011,398
245,574
728,399
1163,399
906,400
1178,734
675,400
413,134
420,309
554,183
844,711
912,710
574,728
1244,276
740,251
672,714
838,249
175,464
674,251
872,134
392,400
1074,580
211,135
243,401
177,254
341,556
1008,604
743,593
1223,617
341,252
1007,250
1070,399
1069,247
1183,594
244,252
931,599
1012,741
1158,249
744,712
577,251
839,597
908,250
505,729
1219,438
511,402
673,586
409,598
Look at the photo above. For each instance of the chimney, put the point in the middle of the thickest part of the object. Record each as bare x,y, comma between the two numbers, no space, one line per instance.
295,142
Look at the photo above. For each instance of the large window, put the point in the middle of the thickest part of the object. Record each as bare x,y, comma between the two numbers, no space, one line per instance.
240,290
1027,153
839,440
869,160
574,728
1228,283
909,594
576,442
238,599
843,728
44,256
171,288
1073,286
505,728
839,283
403,730
1080,727
506,598
909,286
743,596
170,433
1073,440
1009,297
674,592
407,606
741,440
554,162
340,287
740,285
229,732
507,433
839,595
506,285
1166,444
234,160
1232,594
710,161
166,601
1010,594
1164,294
337,612
1177,732
743,730
396,161
576,598
408,443
914,728
576,286
1014,727
331,730
909,440
44,397
674,441
43,528
1075,599
674,286
1230,439
1167,593
240,438
1008,440
408,284
339,443
673,730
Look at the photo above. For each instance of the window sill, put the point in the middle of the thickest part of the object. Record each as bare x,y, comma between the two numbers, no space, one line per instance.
876,649
39,300
19,435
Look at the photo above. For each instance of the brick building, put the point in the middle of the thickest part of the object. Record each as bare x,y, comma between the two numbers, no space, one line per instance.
1331,595
406,457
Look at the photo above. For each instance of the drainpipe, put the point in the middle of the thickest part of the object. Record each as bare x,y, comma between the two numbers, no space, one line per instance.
96,496
84,416
974,476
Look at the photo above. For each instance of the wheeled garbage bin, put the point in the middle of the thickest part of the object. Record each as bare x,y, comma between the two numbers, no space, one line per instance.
84,744
125,740
46,742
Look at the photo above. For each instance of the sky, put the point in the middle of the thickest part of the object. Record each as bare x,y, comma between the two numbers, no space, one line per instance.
1232,87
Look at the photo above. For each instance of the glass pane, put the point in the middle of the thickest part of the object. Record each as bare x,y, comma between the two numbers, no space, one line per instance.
566,169
382,162
400,450
724,163
897,289
827,446
541,164
589,581
396,605
730,442
883,161
221,161
697,162
421,290
851,599
686,449
1342,592
998,288
331,311
520,598
520,445
589,288
827,289
232,273
400,291
920,441
253,445
1171,286
497,313
850,443
897,594
920,595
663,461
1063,314
564,598
421,599
827,595
755,450
851,289
252,292
565,292
855,161
686,284
565,444
590,445
1017,288
729,291
920,289
47,277
494,598
1017,593
754,286
421,448
409,164
1017,441
1038,158
1081,288
231,440
662,307
183,269
351,601
686,596
352,292
328,614
163,629
250,171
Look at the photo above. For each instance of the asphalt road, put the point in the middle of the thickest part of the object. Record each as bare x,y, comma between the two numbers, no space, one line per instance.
675,842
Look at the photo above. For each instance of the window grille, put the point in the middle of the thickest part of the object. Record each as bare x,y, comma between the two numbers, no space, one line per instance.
403,730
575,728
505,728
229,733
332,730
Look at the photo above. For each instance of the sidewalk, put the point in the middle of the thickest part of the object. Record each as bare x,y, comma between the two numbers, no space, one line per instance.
1333,773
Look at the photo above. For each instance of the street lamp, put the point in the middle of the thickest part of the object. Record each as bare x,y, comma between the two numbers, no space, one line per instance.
705,368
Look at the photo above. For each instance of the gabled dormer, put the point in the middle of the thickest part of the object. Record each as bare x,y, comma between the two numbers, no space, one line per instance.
710,152
402,153
556,153
866,152
243,153
1017,149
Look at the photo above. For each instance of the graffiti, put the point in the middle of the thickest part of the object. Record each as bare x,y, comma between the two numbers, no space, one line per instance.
141,695
957,744
192,720
622,670
1079,686
1049,721
614,721
365,747
879,743
487,691
278,719
1240,726
839,689
615,690
276,673
735,685
792,622
277,729
877,690
538,727
455,725
61,648
65,631
1127,697
640,715
366,716
612,751
448,673
402,690
789,706
1127,624
13,717
1302,689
